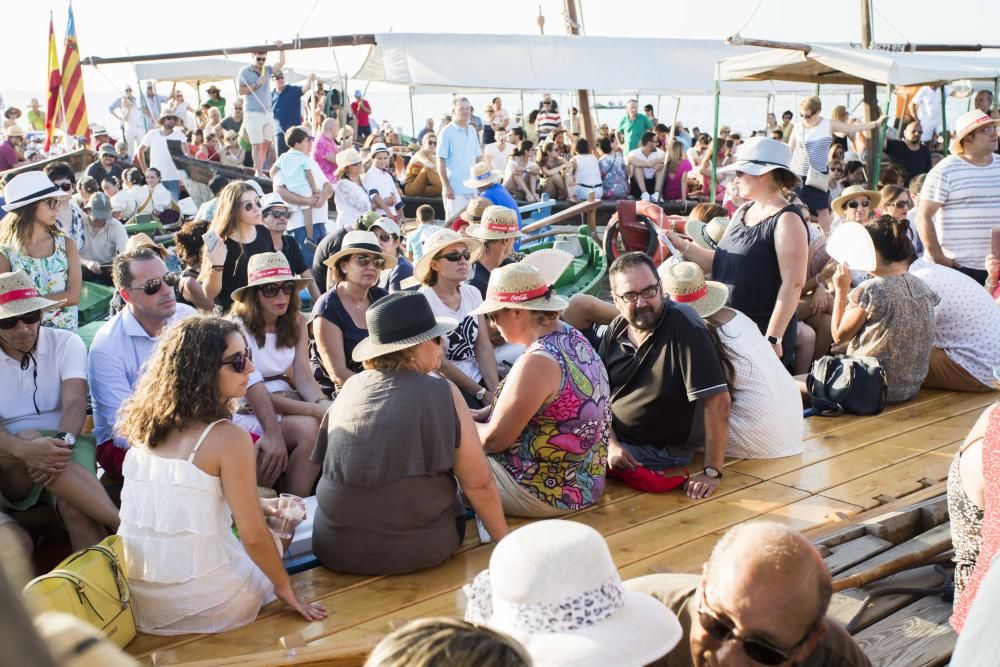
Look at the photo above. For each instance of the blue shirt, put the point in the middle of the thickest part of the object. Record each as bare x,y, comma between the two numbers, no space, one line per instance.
460,150
287,107
256,99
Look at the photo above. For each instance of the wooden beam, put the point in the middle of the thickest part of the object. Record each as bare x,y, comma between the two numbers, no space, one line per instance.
582,98
565,214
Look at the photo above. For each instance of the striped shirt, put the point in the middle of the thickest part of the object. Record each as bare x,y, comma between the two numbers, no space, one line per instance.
812,148
970,206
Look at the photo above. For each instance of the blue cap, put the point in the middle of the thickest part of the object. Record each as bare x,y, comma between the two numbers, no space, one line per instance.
357,93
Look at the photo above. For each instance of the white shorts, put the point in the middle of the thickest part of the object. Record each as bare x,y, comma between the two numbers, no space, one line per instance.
259,126
456,205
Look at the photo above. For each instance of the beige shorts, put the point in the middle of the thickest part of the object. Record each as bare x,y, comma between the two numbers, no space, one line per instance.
259,126
945,373
518,501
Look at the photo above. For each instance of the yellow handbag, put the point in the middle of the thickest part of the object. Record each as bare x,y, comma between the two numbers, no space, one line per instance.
91,585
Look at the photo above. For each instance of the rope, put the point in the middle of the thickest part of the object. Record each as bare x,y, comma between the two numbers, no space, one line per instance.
308,16
889,23
754,14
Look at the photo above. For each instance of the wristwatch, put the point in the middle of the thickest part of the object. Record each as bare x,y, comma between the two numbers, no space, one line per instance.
66,437
481,394
714,473
773,340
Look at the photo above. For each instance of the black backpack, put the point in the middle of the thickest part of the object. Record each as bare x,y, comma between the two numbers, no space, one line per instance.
855,385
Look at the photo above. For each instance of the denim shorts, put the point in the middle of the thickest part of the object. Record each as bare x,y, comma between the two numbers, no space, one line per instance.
659,458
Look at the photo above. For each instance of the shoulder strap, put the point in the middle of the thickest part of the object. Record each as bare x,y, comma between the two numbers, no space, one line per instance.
201,439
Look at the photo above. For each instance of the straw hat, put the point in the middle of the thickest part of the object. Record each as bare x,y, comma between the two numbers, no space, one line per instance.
345,159
213,89
498,222
358,242
707,234
474,210
437,242
968,123
519,286
480,176
399,321
18,295
684,282
166,113
553,586
855,191
230,134
13,131
269,267
760,155
29,187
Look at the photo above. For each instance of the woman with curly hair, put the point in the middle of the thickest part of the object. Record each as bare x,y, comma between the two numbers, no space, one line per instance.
189,243
189,474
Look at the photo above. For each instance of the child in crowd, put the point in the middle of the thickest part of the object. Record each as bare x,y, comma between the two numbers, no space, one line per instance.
381,186
521,176
427,226
295,172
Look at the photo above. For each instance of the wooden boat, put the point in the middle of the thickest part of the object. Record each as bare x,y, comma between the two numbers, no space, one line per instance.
586,274
850,465
79,160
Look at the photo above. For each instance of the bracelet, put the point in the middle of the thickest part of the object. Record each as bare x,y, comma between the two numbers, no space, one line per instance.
218,269
684,252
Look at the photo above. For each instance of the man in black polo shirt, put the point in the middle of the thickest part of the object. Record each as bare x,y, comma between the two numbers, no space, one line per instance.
910,154
669,395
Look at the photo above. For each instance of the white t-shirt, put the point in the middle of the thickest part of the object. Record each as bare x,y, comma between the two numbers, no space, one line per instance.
320,213
60,355
497,158
588,171
460,344
159,154
655,155
967,321
970,198
378,182
928,111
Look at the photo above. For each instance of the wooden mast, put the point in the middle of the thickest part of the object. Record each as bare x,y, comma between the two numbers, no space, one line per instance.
870,97
583,99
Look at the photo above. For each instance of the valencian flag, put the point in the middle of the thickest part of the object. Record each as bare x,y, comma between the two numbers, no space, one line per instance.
53,111
74,104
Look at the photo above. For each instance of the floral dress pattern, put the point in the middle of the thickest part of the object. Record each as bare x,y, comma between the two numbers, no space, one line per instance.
614,179
562,456
49,274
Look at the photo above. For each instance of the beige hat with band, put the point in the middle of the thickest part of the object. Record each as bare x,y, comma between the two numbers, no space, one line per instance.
685,283
269,267
519,286
18,295
498,222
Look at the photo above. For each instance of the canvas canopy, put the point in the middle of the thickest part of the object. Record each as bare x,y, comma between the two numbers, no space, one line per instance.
208,70
604,65
843,65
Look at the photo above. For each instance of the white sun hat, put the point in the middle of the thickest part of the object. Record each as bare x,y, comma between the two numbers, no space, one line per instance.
553,587
760,155
29,187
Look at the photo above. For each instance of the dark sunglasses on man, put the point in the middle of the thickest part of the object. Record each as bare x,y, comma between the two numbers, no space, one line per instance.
755,648
34,317
153,285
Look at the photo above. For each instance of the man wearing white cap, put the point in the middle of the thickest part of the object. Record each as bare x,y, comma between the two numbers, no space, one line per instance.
960,199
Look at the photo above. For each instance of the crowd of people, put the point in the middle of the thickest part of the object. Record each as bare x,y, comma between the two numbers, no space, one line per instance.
405,373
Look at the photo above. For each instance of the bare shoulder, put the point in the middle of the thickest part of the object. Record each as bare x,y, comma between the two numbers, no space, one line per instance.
227,437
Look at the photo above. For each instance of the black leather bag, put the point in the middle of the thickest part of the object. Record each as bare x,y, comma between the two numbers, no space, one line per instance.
855,385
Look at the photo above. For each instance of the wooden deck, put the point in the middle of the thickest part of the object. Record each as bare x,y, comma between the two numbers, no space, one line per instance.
850,465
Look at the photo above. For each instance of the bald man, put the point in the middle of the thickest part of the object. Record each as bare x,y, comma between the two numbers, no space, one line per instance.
761,599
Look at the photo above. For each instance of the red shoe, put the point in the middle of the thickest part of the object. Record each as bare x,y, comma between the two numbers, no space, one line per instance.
651,481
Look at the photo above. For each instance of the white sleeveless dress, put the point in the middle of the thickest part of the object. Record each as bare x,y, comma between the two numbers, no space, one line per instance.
187,571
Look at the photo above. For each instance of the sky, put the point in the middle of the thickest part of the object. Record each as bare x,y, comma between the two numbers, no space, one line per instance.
113,29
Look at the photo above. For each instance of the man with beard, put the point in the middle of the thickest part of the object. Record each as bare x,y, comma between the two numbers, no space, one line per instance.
669,391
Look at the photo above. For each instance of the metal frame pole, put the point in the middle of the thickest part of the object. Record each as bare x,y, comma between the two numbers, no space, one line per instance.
944,119
715,134
881,140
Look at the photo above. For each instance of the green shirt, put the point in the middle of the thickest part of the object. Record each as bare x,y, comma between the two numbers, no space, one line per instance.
634,129
219,104
36,119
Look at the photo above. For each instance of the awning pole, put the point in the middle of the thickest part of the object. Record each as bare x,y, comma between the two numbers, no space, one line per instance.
881,139
817,90
944,120
715,134
996,93
413,122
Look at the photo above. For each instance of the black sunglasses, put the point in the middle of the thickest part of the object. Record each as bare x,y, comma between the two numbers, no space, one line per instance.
456,255
34,317
261,60
65,186
755,649
279,215
270,290
902,203
153,285
239,360
863,203
250,205
365,260
383,237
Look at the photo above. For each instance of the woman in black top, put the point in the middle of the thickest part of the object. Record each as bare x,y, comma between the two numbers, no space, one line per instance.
237,222
762,256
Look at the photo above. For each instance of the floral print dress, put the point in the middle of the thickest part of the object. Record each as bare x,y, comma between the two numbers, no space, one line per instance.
49,274
562,456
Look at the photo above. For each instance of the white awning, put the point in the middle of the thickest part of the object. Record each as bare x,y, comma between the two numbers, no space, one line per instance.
202,70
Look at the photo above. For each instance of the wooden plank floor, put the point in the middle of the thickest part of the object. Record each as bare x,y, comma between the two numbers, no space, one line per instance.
849,465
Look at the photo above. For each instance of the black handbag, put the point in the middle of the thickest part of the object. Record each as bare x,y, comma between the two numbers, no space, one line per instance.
855,385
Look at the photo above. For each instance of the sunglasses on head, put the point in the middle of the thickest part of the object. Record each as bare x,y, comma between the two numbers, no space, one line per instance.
153,285
279,215
251,205
755,649
34,317
365,260
239,360
456,255
270,290
863,203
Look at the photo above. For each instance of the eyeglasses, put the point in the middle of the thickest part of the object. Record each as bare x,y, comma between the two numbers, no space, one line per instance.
251,205
239,360
645,293
806,115
34,317
279,215
863,203
492,317
902,203
65,186
270,290
756,649
365,260
456,255
432,143
153,285
261,60
52,202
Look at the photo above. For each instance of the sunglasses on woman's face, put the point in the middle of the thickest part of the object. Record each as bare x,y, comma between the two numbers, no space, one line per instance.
270,290
383,237
863,203
902,203
153,285
251,205
52,202
239,360
65,186
456,256
34,317
755,649
365,260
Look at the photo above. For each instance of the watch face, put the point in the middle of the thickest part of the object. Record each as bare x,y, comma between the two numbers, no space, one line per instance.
712,472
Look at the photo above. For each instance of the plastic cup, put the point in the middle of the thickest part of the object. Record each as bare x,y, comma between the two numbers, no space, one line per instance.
291,512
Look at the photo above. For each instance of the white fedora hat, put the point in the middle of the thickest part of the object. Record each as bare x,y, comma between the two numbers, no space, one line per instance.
29,187
760,155
707,234
553,587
